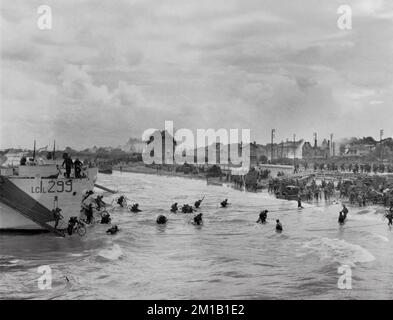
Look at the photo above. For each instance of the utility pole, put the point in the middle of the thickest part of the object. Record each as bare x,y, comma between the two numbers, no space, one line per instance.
273,132
282,149
286,148
294,149
334,149
380,142
331,145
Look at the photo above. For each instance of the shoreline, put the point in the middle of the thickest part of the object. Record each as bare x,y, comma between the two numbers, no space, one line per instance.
146,170
322,203
138,168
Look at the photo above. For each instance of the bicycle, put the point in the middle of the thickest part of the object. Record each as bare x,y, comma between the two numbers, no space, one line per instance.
77,225
80,228
99,214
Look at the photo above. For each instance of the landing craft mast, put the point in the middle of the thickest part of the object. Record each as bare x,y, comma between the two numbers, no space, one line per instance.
34,151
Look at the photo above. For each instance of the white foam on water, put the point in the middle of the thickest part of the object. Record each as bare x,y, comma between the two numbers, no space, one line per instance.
14,261
383,238
10,262
113,253
339,251
76,254
318,209
364,215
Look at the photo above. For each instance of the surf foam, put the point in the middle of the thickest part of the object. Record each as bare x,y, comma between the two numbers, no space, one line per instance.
339,251
113,253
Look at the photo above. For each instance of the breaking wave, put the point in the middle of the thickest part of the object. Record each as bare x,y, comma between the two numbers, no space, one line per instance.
113,253
339,251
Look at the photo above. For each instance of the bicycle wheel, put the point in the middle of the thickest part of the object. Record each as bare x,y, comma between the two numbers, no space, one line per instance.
103,213
81,230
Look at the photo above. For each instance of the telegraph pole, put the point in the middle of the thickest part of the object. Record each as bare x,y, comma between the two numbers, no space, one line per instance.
286,148
294,149
282,149
273,132
380,142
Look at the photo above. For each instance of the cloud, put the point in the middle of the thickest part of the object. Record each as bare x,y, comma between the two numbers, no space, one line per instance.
108,71
376,102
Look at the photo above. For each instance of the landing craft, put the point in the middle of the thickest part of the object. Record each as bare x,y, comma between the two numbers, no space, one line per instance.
29,193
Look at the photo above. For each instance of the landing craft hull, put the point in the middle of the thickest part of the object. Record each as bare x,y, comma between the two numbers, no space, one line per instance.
44,190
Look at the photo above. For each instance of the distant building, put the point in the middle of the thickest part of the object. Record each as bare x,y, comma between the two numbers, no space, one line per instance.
287,149
258,153
13,158
291,149
358,150
204,155
326,150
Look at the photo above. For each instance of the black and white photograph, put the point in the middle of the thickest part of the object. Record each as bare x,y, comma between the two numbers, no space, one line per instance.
189,150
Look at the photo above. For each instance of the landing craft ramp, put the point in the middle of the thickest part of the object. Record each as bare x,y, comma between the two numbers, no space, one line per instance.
18,200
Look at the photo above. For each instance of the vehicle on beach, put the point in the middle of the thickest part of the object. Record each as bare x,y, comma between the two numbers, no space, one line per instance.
105,168
288,193
375,197
214,183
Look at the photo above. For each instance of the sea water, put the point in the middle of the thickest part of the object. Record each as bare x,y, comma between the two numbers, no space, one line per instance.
229,257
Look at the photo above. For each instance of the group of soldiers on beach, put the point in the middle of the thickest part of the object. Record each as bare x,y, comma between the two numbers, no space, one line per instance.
361,192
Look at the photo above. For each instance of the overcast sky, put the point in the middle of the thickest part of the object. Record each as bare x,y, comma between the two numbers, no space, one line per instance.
108,70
